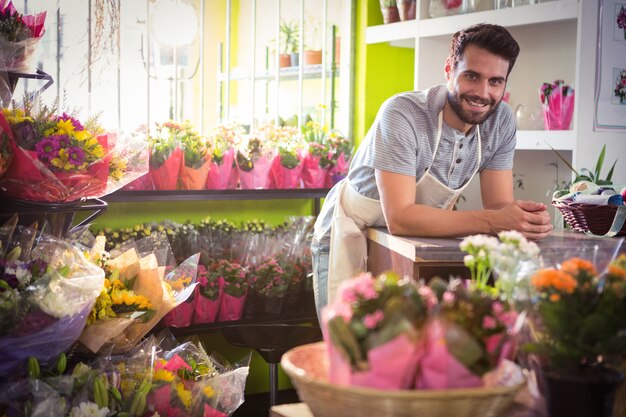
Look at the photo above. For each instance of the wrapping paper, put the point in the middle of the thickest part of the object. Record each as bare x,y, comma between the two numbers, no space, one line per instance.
205,308
338,171
284,178
165,177
258,177
231,308
558,105
182,315
219,174
439,369
313,176
391,366
193,178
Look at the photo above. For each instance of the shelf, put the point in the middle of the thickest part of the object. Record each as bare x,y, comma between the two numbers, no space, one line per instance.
553,11
286,73
399,33
562,140
289,319
190,195
404,33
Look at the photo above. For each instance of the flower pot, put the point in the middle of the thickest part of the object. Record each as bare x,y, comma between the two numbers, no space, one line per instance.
284,60
295,59
390,14
589,392
312,57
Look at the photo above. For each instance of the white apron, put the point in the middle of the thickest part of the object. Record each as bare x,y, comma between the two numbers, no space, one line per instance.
354,212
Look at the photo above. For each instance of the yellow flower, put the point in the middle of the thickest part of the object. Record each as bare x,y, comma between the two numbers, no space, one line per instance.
183,394
163,375
65,127
15,116
180,283
208,391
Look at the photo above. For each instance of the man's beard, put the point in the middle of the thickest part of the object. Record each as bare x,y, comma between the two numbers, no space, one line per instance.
470,117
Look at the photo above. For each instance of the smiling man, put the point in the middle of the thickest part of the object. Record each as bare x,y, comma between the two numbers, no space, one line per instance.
419,155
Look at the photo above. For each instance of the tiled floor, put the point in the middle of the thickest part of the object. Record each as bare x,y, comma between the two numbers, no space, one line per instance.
258,405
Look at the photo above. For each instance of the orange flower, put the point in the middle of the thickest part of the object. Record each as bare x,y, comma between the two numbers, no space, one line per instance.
576,265
547,279
617,272
555,297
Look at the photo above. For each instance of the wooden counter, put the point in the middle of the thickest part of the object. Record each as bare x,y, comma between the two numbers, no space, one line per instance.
428,257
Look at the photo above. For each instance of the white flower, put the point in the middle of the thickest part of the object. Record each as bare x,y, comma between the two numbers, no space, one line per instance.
88,409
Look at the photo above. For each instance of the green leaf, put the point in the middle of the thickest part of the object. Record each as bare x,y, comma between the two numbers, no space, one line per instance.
565,161
600,161
609,176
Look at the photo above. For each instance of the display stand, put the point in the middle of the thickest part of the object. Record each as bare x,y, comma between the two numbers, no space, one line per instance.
11,82
53,218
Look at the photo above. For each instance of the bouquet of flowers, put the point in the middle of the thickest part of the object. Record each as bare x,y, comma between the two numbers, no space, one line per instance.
341,152
222,140
287,164
510,256
469,335
46,295
268,286
127,295
196,159
19,36
208,297
166,293
317,156
557,101
58,159
372,331
6,154
165,155
581,315
254,159
234,282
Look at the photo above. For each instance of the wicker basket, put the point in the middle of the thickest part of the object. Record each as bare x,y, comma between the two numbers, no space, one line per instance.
307,366
596,219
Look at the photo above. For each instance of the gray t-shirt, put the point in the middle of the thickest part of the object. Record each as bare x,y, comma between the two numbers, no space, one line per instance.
402,140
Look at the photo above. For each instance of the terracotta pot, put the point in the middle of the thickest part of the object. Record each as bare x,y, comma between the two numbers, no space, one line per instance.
284,60
312,57
390,14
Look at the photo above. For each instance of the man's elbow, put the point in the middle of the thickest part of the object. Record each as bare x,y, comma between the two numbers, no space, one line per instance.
396,227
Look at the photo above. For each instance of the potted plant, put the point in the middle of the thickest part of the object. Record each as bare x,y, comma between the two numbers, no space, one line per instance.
313,46
289,42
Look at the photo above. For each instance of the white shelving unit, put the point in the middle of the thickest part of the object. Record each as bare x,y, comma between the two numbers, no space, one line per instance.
430,38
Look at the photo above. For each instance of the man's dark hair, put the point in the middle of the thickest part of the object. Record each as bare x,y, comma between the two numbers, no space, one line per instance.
492,38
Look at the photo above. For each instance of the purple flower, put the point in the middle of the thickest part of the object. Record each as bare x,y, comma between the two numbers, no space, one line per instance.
76,156
47,148
621,18
25,135
77,125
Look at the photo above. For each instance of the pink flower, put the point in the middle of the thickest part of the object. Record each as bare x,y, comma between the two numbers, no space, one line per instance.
489,322
371,320
429,296
448,297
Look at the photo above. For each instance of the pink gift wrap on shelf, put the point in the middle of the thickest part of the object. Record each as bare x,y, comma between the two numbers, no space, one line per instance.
142,183
313,176
338,171
219,174
557,101
439,369
165,177
258,177
181,315
284,178
391,366
206,309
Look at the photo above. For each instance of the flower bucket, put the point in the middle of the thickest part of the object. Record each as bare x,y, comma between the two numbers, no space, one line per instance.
231,308
165,177
284,178
313,176
589,392
257,177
